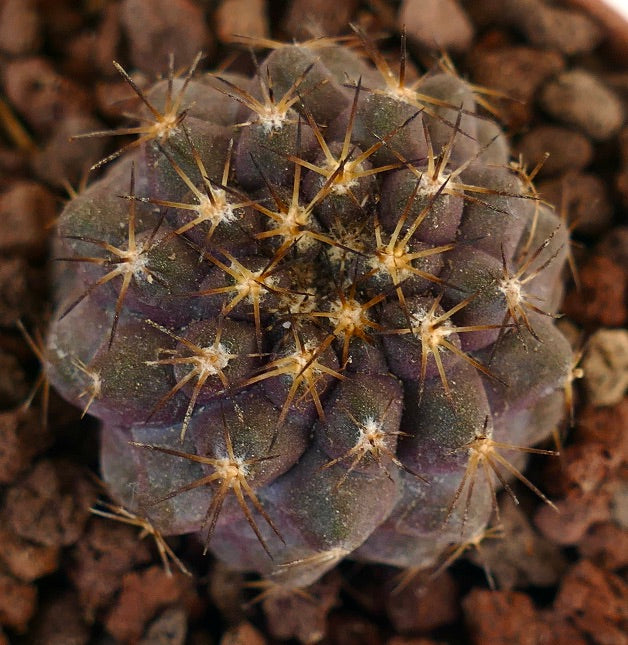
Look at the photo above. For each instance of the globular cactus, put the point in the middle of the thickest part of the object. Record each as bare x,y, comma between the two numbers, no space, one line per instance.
313,311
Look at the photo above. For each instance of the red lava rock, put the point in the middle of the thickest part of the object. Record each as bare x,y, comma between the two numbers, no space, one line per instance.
575,515
578,98
157,28
106,552
424,605
25,560
594,601
436,24
143,595
170,628
40,95
606,545
308,18
58,622
518,72
521,557
243,634
21,439
242,18
586,466
568,149
26,210
51,505
606,426
20,27
62,160
501,617
18,601
585,197
291,615
601,299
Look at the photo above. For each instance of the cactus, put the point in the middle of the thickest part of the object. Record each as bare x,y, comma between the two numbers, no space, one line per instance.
313,310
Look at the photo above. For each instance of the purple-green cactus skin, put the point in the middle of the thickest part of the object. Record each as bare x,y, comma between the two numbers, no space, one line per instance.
313,311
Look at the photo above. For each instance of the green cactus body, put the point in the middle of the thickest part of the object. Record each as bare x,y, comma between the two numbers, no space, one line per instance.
313,312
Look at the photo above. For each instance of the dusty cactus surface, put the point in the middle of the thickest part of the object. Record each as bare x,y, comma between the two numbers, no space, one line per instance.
313,310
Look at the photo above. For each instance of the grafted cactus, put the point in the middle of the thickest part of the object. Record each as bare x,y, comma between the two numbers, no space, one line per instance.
313,310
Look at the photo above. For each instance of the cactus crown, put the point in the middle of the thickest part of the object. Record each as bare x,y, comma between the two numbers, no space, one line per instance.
310,308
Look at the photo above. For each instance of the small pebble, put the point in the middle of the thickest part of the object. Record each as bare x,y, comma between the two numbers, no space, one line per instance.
516,71
568,149
25,560
243,634
27,210
143,595
436,24
51,505
241,18
424,605
594,601
170,628
157,28
601,298
550,27
585,197
312,18
20,27
21,439
40,95
501,617
58,622
607,545
578,98
605,365
63,160
18,602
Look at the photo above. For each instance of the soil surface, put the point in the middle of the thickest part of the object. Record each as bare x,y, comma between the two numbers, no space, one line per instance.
70,577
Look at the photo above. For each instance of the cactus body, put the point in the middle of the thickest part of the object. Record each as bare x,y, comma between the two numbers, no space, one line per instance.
311,317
